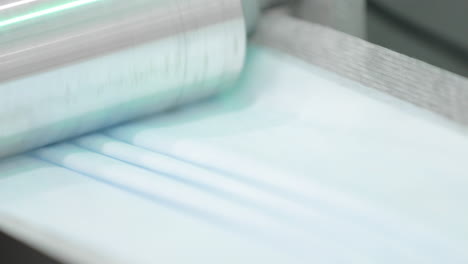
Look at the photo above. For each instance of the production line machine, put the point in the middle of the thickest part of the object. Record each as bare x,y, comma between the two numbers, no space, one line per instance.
224,131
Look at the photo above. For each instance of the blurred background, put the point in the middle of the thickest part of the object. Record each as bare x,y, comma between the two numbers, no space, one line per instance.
434,31
430,30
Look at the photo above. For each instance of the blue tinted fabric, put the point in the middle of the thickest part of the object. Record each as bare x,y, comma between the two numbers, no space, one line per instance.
293,165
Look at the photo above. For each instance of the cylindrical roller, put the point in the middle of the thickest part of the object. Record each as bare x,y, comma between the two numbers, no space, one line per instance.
68,67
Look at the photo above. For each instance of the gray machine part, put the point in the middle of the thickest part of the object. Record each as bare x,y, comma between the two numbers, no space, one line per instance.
403,77
447,19
253,8
348,16
433,31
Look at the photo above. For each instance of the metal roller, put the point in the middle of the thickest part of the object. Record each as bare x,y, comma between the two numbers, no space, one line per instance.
68,67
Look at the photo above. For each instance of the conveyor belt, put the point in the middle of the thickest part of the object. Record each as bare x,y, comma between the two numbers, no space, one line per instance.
283,174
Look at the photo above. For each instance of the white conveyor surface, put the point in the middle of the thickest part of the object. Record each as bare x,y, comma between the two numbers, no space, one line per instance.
293,165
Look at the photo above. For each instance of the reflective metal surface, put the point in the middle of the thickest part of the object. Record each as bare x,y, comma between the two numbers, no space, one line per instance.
71,66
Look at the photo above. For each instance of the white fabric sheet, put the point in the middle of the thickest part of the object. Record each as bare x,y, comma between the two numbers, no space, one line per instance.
293,165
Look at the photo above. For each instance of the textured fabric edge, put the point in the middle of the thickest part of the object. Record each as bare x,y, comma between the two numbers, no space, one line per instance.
411,80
